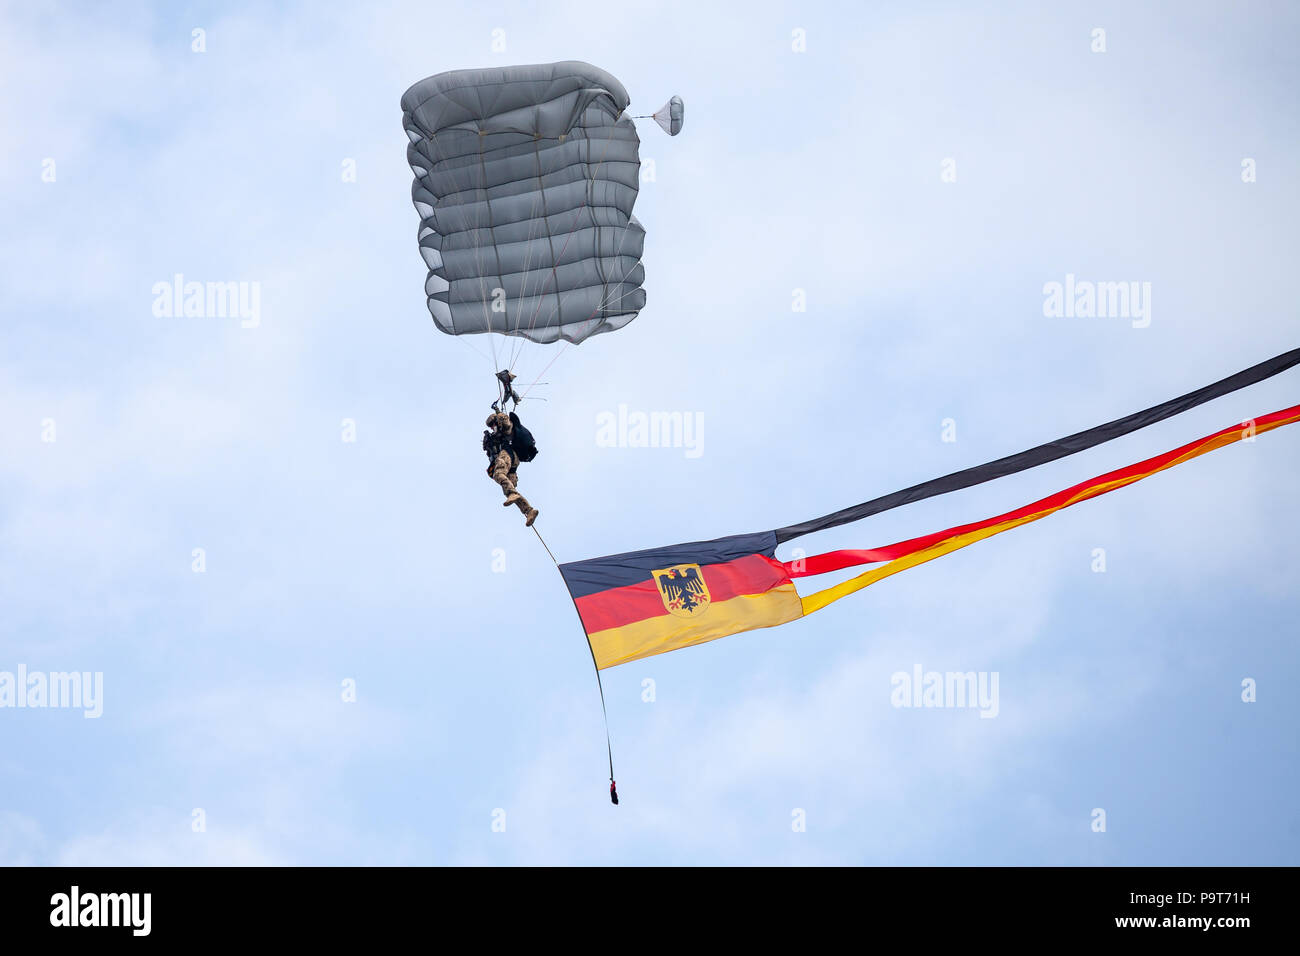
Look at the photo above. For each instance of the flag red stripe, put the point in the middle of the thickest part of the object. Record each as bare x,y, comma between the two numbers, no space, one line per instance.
616,607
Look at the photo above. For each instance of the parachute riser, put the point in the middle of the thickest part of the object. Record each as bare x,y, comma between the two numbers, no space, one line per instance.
505,390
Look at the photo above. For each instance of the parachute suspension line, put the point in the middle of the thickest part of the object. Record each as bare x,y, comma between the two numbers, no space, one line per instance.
545,369
557,308
547,366
550,239
572,230
492,231
604,713
535,225
600,306
474,347
603,304
517,347
466,185
550,242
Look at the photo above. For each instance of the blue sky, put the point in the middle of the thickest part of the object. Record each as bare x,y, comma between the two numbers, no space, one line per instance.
372,561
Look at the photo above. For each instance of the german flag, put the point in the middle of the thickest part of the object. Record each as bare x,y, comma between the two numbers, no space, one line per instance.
643,603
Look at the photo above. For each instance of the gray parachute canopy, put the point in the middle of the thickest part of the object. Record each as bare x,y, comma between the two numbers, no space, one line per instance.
525,178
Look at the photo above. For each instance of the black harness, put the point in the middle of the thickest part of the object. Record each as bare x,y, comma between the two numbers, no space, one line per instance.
494,443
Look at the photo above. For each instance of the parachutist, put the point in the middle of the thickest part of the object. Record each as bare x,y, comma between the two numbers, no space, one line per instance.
486,214
507,442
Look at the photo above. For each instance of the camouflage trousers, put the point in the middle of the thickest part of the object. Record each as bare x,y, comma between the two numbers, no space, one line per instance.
503,472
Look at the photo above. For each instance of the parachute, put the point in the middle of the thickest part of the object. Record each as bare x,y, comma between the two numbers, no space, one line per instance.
670,116
525,180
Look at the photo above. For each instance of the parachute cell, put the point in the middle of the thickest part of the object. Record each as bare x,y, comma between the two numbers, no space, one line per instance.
525,179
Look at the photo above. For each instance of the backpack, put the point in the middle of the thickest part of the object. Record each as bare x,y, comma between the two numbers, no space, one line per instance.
522,440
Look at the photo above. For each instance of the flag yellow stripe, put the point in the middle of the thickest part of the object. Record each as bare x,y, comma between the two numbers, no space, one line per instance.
667,632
